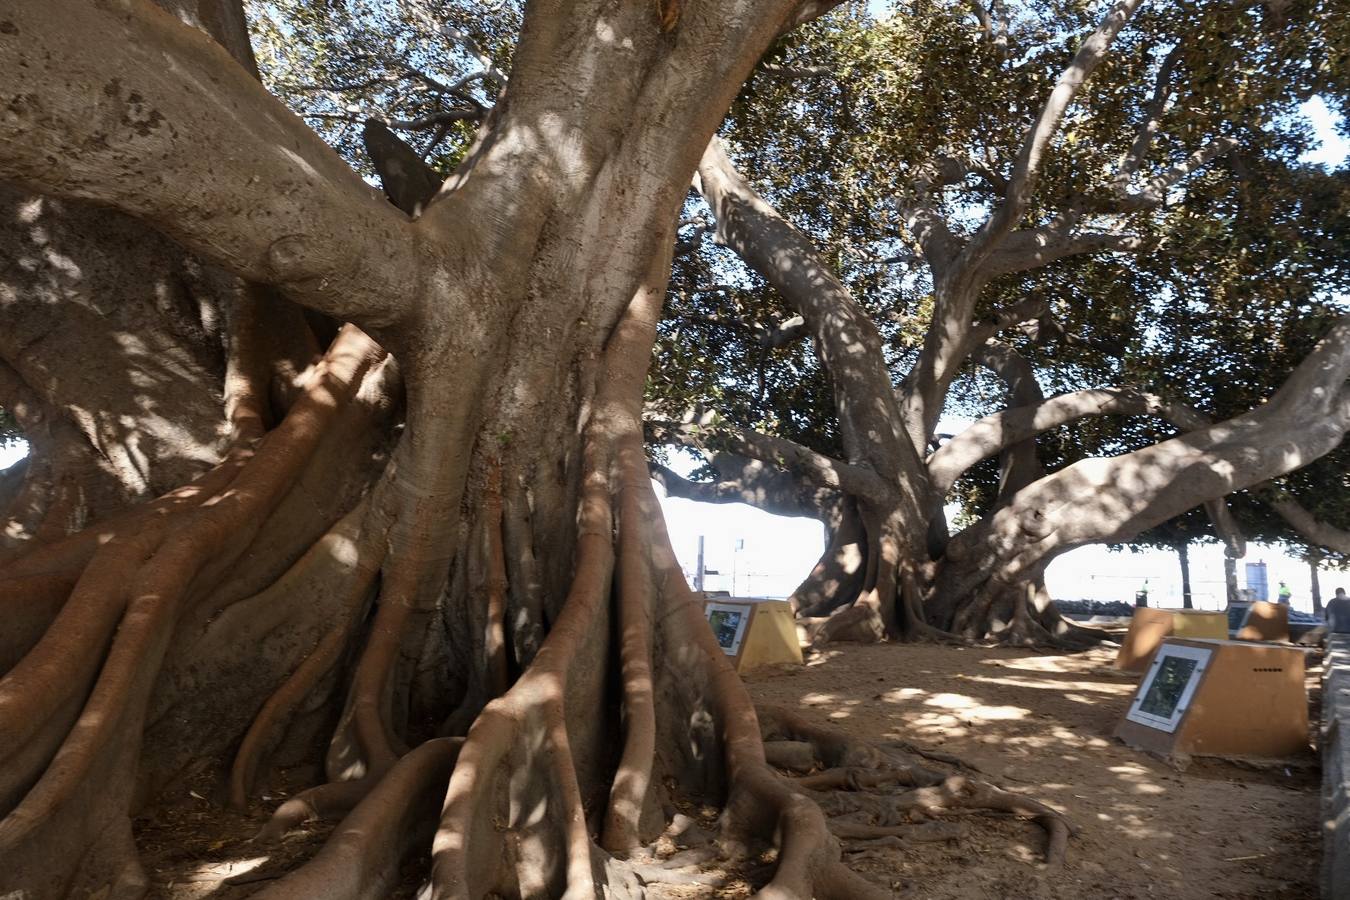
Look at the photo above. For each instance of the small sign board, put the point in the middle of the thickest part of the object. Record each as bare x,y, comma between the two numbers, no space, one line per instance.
1210,697
1166,691
1264,621
1150,626
754,632
728,622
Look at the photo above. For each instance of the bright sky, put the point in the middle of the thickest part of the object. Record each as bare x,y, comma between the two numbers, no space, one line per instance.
1333,147
10,455
777,552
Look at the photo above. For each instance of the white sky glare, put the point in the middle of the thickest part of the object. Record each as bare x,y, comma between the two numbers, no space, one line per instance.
778,552
1332,147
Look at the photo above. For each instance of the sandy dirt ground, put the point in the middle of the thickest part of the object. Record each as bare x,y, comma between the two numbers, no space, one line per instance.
1041,725
1036,724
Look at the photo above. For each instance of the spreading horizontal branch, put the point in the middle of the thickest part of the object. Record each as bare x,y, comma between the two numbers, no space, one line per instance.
1305,523
994,433
1032,248
752,482
1112,500
818,468
152,117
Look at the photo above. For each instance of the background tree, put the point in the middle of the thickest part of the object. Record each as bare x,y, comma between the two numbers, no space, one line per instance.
1157,155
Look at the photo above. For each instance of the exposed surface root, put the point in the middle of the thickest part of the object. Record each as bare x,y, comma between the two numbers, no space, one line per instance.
324,801
105,646
859,835
398,815
855,788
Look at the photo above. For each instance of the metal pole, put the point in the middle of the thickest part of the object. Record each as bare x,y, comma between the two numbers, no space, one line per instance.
698,572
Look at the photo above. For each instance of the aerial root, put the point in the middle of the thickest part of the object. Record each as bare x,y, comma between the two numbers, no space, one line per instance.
326,801
393,817
636,599
269,724
264,730
125,606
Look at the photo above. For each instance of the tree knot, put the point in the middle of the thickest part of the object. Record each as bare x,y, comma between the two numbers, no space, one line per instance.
290,258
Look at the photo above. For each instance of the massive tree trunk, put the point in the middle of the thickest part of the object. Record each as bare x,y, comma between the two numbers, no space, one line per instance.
439,534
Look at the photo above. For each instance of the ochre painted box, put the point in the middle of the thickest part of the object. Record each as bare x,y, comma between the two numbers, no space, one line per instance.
754,632
1220,698
1149,626
1265,622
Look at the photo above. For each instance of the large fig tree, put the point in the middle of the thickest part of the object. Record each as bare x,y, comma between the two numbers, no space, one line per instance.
313,464
1111,219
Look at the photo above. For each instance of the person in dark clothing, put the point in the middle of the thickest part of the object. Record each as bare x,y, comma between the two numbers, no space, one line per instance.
1338,613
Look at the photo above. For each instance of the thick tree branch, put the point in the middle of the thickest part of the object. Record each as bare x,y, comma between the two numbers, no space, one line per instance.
936,241
845,336
982,16
1305,523
1029,249
786,332
810,9
132,119
1019,463
1112,500
805,462
1154,193
1134,158
1026,168
797,72
1025,310
750,481
995,433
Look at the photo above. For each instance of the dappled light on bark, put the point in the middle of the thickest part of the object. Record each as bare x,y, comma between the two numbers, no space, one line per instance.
353,486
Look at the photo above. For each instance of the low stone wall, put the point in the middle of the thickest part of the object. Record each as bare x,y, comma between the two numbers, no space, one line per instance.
1336,769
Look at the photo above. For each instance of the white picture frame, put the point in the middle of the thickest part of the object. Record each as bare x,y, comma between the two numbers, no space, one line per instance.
728,622
1157,703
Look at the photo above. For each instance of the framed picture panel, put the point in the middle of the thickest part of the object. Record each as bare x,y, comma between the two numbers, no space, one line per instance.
1167,689
728,622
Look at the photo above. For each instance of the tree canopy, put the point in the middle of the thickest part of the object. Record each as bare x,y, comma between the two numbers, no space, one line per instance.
337,333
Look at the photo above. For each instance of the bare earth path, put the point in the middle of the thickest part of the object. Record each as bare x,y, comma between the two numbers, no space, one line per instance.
1042,725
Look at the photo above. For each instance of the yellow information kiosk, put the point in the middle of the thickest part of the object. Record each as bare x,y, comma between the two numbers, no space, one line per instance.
1220,698
1150,626
754,632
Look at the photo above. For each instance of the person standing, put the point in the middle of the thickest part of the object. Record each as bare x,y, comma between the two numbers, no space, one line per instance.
1285,593
1338,613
